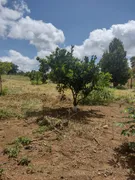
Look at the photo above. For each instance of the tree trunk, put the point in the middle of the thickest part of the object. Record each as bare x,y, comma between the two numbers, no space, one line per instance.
0,85
115,84
131,83
75,104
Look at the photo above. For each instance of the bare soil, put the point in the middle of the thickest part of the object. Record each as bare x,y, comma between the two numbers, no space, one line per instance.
89,148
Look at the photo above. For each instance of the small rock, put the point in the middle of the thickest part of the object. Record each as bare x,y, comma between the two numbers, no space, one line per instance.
105,126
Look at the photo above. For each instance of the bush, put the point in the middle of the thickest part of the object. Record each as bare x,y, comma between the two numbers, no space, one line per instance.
12,151
129,125
24,161
121,87
97,97
36,82
4,91
23,140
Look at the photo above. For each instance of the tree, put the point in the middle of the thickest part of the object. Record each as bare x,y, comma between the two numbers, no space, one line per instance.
5,67
132,60
80,77
115,62
132,70
35,77
14,69
20,72
43,68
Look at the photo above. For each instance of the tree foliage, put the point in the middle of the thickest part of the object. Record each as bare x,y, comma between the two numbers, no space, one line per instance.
132,70
5,67
35,77
14,69
115,62
132,60
80,76
43,68
129,126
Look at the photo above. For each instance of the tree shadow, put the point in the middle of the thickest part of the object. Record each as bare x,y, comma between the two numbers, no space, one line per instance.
66,113
124,157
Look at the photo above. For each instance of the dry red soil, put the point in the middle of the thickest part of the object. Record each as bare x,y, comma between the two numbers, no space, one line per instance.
90,148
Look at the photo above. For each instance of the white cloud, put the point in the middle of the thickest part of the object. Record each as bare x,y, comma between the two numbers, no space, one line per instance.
44,36
3,2
21,6
99,40
43,53
25,64
9,17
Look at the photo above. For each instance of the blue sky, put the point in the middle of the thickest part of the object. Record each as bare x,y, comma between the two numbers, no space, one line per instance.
77,22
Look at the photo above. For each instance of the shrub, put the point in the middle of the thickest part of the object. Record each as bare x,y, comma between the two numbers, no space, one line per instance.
100,96
121,87
36,82
23,140
129,125
4,91
80,76
41,129
35,77
12,151
24,161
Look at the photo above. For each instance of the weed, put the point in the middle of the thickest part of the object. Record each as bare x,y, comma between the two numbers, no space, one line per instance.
129,125
12,151
24,161
5,114
1,171
41,129
30,169
23,140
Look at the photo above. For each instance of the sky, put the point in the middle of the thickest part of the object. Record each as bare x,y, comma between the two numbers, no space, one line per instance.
31,28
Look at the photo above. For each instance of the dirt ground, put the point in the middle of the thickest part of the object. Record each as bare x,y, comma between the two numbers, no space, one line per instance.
89,148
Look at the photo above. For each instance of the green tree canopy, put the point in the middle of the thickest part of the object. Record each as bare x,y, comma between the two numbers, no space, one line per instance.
115,62
80,76
35,76
43,68
14,69
132,60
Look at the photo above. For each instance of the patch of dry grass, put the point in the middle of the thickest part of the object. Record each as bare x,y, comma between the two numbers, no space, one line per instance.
22,97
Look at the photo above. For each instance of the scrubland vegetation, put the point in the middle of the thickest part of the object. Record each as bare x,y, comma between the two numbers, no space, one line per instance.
73,119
